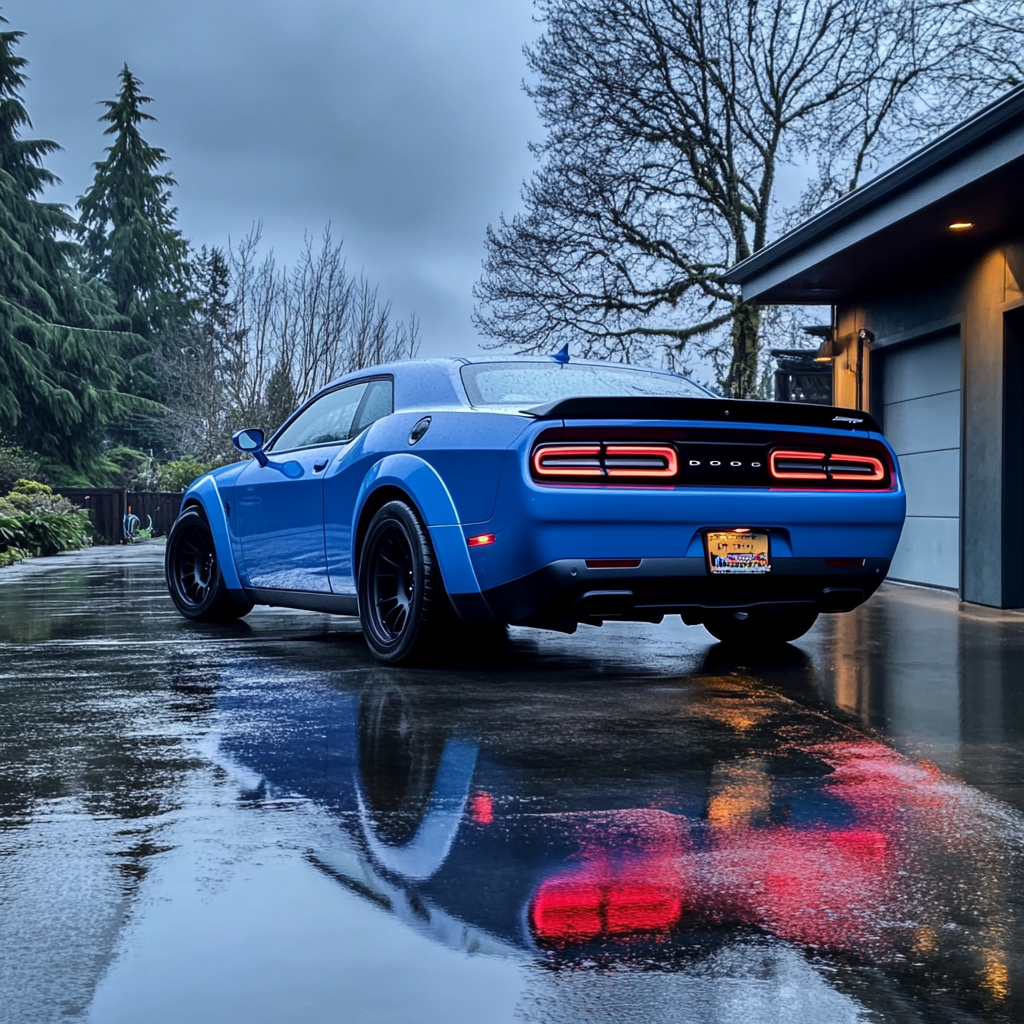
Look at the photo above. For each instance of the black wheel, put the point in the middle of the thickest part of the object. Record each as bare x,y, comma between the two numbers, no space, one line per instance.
399,756
760,626
403,606
193,574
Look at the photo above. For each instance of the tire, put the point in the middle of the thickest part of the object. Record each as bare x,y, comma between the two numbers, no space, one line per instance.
194,579
761,626
403,607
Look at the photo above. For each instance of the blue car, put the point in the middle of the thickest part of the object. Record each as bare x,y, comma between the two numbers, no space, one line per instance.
434,498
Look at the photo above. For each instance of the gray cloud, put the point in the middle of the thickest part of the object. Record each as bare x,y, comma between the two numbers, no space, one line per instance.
401,121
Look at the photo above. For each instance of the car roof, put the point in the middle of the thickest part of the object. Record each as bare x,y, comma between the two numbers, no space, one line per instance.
450,362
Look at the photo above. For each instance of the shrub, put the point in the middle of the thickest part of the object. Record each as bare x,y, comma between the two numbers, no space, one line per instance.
126,468
34,520
15,464
45,533
176,476
30,496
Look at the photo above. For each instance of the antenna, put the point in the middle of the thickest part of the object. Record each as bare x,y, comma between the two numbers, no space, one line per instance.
562,355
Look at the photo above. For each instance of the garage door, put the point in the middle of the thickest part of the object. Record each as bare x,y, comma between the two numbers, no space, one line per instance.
921,418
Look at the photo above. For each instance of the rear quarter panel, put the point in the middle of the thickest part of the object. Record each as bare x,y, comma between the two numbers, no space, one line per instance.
451,475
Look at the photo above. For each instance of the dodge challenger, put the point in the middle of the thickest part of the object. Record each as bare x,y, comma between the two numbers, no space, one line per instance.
433,497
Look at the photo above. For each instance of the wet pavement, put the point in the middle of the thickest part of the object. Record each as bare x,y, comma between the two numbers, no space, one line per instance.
258,823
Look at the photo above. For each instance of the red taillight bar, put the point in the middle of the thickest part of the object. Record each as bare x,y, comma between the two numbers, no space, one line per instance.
624,453
786,465
606,461
802,465
572,460
872,470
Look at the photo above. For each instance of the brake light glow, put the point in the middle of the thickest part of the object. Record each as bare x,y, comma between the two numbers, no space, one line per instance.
821,466
605,461
649,460
861,467
787,465
481,540
568,460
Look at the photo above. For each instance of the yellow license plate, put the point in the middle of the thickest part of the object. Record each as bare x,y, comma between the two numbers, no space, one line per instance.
738,552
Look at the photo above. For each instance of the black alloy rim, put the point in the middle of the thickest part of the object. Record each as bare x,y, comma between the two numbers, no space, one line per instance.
195,565
392,584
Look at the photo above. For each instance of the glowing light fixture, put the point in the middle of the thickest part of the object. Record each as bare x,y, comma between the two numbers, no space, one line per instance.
961,225
827,351
481,540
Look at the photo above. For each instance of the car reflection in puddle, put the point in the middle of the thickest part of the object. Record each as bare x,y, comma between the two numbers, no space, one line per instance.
729,811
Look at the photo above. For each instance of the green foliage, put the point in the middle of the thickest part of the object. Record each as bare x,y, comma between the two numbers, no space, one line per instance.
45,533
8,556
34,520
176,476
127,221
127,469
62,345
15,464
29,488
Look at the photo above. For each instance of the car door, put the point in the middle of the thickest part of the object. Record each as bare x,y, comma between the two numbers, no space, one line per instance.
281,505
343,481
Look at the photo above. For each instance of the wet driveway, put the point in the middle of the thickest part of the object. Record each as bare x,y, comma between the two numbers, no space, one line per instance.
257,823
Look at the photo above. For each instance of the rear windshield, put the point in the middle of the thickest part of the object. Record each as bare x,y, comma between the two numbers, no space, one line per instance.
523,384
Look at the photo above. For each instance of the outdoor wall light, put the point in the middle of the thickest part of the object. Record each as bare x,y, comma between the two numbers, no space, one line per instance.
961,225
827,351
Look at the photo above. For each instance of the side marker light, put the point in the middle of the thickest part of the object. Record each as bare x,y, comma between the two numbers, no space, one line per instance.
481,540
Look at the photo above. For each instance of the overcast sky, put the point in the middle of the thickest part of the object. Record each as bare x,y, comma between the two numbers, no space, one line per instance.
400,121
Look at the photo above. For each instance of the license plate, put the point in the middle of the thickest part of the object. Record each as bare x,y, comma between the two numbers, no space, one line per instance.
738,553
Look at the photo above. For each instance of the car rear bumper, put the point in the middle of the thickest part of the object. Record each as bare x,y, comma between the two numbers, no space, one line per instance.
566,591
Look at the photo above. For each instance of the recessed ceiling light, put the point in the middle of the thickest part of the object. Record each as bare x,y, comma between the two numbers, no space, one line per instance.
961,225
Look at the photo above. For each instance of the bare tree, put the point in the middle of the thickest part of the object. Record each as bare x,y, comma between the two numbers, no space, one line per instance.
252,346
668,123
296,329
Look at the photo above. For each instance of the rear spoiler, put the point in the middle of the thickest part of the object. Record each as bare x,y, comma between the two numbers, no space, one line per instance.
727,410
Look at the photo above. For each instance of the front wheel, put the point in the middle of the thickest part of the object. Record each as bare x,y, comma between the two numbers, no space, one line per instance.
403,607
193,574
760,626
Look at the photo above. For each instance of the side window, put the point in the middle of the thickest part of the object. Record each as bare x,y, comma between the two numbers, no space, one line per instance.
327,421
377,403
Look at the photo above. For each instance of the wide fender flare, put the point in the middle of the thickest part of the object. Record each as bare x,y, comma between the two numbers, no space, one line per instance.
205,492
421,482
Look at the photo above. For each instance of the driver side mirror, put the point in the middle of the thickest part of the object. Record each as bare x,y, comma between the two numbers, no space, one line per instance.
250,442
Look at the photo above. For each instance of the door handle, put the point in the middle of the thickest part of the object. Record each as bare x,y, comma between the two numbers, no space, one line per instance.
318,467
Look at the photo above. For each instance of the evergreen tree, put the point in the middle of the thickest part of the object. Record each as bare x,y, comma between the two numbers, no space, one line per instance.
61,349
190,363
127,221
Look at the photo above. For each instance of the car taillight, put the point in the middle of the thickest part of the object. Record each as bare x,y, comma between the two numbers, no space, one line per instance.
837,467
647,460
568,460
605,461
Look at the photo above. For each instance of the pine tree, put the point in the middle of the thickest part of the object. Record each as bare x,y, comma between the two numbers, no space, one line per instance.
190,363
61,349
127,221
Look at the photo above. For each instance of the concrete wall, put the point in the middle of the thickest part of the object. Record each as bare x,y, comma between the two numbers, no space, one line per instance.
974,298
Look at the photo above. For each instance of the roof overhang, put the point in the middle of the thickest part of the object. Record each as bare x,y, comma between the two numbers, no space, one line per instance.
897,226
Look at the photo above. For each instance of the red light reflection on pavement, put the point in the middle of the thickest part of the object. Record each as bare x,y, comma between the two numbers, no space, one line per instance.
634,885
481,808
816,884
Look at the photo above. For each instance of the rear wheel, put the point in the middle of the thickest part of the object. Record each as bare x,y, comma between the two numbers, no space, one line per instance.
403,607
193,573
761,626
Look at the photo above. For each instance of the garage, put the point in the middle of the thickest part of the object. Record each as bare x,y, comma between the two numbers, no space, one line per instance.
920,413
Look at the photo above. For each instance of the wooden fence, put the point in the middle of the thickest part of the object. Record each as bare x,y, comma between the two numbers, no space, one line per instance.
160,506
107,508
